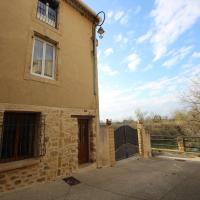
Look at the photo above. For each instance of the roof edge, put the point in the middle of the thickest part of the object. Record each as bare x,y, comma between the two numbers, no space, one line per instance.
85,10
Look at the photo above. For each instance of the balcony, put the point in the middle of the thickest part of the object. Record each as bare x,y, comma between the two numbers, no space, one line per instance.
47,13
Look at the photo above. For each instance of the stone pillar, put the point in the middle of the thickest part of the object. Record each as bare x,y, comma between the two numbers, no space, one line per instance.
104,144
107,145
144,141
140,141
181,145
111,140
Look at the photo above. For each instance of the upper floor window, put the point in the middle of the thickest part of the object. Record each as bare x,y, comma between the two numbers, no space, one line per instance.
43,61
47,11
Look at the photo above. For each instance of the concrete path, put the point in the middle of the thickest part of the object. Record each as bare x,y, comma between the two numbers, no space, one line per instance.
154,179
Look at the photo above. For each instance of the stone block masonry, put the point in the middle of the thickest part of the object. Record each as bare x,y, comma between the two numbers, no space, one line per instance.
60,132
144,141
107,139
107,144
110,132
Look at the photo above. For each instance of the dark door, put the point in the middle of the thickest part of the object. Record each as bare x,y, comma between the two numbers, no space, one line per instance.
83,153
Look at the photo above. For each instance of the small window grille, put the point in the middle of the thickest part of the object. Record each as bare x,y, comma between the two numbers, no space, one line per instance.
21,136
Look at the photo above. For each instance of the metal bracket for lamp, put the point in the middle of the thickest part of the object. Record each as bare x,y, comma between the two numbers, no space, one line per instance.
101,31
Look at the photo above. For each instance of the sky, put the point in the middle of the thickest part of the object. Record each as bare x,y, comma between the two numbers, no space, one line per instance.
149,54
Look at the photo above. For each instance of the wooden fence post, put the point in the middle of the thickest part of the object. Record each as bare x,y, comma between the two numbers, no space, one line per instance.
181,145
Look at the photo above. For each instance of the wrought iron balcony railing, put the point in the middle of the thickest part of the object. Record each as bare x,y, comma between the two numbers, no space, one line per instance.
46,14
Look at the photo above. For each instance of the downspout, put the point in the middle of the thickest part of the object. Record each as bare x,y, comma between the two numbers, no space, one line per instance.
94,51
96,95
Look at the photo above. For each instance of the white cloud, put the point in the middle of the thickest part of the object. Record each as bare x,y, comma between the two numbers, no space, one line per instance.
120,39
144,37
124,20
182,52
98,54
119,104
121,16
107,70
196,55
147,68
171,62
159,96
159,84
176,56
108,51
118,15
110,14
171,20
133,61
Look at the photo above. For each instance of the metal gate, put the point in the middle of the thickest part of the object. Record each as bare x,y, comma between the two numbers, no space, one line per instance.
126,142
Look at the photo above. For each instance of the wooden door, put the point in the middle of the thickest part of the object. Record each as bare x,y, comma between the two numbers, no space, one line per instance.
83,153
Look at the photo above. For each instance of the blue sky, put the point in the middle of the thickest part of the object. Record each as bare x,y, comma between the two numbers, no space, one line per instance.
150,51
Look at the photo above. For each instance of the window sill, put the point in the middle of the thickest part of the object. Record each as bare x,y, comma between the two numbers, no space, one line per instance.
29,76
5,167
48,26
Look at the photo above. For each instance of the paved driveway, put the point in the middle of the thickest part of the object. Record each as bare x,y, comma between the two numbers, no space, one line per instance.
154,179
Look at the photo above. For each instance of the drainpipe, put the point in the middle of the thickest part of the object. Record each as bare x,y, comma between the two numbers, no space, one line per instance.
95,79
96,94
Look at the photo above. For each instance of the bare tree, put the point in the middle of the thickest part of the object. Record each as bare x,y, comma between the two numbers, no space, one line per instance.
192,100
140,115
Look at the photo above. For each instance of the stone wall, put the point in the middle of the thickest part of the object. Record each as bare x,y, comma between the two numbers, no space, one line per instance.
104,143
93,140
144,141
107,143
60,132
110,131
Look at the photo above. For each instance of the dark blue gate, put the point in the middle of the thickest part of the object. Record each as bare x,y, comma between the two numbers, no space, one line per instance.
126,142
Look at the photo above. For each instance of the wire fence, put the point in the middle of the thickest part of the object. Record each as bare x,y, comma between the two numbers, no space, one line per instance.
188,144
192,144
164,142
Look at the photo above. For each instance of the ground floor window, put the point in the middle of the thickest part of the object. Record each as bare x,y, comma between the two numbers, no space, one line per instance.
20,136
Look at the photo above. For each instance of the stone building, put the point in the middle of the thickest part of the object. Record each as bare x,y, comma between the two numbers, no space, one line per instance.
49,120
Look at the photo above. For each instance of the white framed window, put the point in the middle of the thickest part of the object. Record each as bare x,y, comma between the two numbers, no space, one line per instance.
47,11
43,58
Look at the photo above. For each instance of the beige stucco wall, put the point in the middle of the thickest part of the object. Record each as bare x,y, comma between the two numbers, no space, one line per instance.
74,71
